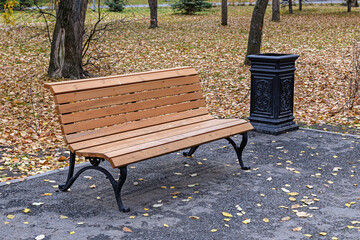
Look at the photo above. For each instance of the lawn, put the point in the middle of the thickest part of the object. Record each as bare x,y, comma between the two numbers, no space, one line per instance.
323,36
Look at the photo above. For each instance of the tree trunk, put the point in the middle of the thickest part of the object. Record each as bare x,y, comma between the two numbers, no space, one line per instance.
355,3
290,7
153,13
275,10
300,5
256,27
224,13
348,5
67,40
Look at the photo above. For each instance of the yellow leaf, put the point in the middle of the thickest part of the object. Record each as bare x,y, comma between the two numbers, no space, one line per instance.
10,216
323,233
296,172
347,204
292,199
47,194
132,217
227,219
309,186
297,229
26,222
246,221
73,232
213,230
145,214
225,214
307,235
334,238
63,217
194,217
293,193
165,225
26,210
265,219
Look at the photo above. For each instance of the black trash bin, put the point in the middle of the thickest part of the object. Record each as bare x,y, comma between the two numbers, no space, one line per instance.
272,92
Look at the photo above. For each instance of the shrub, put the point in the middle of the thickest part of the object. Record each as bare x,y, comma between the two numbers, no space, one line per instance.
116,5
190,6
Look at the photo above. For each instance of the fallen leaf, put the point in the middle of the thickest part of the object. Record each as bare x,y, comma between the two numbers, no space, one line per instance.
157,205
265,219
10,216
213,230
126,229
303,214
246,221
93,186
285,190
37,203
26,210
63,217
225,214
323,233
297,229
73,232
40,237
293,193
284,219
307,235
194,217
165,225
292,199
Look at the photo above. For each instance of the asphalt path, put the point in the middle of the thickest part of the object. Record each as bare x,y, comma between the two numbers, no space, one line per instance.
302,184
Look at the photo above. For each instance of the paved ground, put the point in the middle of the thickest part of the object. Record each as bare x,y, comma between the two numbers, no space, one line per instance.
185,198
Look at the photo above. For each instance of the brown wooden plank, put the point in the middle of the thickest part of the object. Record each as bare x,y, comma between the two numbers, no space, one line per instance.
119,80
226,123
48,85
138,132
118,119
83,136
128,98
117,90
130,139
178,145
127,108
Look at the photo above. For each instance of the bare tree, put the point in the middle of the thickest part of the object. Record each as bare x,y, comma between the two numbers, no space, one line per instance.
349,2
290,7
153,13
300,5
256,28
67,40
275,10
224,12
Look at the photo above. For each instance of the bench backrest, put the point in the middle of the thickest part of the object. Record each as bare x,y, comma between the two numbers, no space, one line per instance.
157,96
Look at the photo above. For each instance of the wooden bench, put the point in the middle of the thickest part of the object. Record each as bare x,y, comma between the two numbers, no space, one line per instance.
129,118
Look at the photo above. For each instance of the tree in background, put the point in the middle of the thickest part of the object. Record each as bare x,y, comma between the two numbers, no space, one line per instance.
153,13
256,29
224,12
300,5
275,10
67,40
290,7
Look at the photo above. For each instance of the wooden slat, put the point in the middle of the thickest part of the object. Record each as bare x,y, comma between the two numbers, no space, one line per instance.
188,133
169,147
139,96
48,85
117,90
138,132
126,108
83,136
102,122
119,80
128,140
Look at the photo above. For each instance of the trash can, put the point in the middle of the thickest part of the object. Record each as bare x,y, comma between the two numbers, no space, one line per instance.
272,92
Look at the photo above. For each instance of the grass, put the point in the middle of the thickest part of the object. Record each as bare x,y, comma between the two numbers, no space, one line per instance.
323,36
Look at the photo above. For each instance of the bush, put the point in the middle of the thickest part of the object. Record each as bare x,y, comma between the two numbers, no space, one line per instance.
21,6
116,5
190,6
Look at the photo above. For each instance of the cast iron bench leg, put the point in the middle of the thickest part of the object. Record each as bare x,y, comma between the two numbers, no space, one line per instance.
191,151
240,149
117,185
